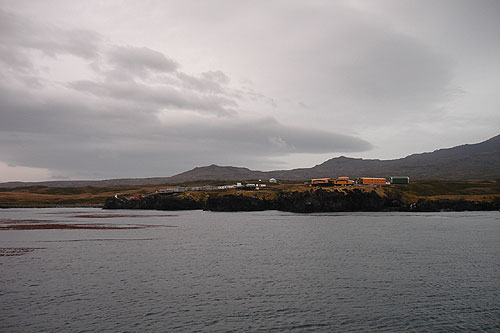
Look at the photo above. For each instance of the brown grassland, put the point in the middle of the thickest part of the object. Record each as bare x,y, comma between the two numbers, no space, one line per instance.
42,196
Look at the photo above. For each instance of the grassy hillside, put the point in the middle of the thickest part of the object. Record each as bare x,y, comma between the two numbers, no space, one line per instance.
475,191
43,196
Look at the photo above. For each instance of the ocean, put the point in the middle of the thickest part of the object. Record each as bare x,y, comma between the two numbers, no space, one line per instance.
198,271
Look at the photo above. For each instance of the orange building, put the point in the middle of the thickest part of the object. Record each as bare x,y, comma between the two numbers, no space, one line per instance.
319,181
343,181
372,181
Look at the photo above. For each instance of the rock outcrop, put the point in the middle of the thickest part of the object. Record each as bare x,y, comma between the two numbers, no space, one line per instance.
459,205
156,201
240,202
330,201
311,201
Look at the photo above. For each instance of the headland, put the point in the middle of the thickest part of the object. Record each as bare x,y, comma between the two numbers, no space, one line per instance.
303,199
293,197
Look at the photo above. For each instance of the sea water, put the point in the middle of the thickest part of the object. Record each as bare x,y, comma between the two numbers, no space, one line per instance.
196,271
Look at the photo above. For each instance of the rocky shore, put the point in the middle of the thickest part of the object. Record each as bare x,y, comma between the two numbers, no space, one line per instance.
311,201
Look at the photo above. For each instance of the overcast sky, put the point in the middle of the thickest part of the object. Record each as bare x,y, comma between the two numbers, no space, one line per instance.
111,89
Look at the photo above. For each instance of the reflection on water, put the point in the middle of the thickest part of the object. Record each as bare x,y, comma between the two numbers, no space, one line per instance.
259,271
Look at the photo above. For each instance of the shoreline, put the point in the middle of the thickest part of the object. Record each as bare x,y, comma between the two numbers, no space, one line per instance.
55,206
310,201
388,210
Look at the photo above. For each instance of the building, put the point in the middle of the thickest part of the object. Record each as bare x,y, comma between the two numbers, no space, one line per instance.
319,181
372,181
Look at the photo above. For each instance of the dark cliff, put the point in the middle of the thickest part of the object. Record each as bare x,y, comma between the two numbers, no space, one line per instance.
297,201
331,201
157,202
458,205
238,202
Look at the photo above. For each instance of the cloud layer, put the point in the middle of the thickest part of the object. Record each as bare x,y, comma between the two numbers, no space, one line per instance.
136,114
92,90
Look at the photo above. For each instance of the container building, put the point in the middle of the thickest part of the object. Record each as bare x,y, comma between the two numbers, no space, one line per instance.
343,181
319,181
400,180
372,181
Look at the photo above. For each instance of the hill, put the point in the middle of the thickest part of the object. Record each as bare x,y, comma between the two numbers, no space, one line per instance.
466,162
479,161
84,183
215,172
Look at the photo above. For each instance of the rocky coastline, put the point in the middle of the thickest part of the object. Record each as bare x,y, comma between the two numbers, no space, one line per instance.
311,201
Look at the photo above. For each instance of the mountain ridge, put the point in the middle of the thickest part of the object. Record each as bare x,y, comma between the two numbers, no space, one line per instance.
478,161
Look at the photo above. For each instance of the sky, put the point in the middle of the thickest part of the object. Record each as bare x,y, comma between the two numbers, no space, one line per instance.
118,89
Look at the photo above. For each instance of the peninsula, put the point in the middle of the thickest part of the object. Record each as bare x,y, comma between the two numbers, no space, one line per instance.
306,199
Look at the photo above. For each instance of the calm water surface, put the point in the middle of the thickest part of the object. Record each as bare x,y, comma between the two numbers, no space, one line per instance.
268,271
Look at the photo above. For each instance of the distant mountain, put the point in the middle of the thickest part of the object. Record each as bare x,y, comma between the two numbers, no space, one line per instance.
215,172
480,161
468,162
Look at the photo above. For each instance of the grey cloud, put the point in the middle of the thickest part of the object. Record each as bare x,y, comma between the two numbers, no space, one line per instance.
396,73
19,36
15,59
111,126
379,73
212,82
140,59
468,26
148,78
255,96
216,76
126,156
343,60
24,34
107,141
268,136
28,114
161,96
